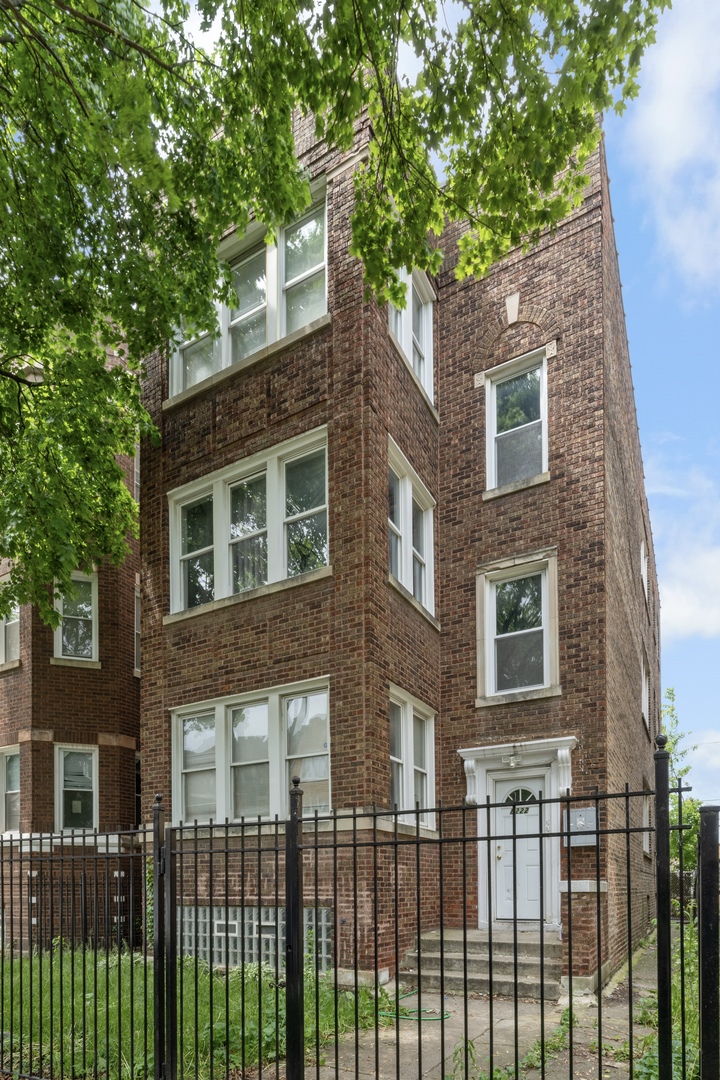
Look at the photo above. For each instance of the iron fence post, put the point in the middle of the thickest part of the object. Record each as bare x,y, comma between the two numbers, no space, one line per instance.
662,869
294,943
158,905
171,955
709,943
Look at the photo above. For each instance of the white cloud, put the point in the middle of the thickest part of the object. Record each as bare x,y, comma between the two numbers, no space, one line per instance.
685,511
704,776
672,137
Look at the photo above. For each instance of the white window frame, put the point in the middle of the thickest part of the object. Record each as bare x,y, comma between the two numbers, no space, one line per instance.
536,360
137,632
60,750
644,566
222,709
236,250
411,707
488,578
272,463
6,752
645,690
400,321
646,821
136,473
59,654
5,621
412,489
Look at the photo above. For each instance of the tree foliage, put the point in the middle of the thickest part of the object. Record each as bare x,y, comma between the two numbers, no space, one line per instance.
686,813
126,153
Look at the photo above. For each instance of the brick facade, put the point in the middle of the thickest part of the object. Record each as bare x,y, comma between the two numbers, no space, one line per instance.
357,629
46,703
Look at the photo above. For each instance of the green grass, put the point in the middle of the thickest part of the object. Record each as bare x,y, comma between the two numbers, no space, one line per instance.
79,1014
646,1065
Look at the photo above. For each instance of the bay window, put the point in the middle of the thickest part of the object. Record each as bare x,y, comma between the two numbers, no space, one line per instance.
412,327
279,288
236,757
412,758
410,529
261,520
10,635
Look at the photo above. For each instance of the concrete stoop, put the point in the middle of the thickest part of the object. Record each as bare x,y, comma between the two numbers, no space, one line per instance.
458,960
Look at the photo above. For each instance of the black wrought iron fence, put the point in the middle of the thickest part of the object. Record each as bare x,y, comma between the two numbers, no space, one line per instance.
450,941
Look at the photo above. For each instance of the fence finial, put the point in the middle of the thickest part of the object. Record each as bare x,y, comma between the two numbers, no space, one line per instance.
158,799
661,741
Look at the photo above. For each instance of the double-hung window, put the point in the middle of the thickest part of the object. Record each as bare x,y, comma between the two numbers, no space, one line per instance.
516,404
137,658
10,777
236,757
412,327
76,637
412,758
645,690
10,635
410,529
644,566
279,288
261,520
76,787
517,628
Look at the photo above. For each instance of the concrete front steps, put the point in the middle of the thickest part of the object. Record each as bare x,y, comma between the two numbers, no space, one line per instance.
448,956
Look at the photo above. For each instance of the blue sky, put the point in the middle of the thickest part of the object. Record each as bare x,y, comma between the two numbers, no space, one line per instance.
664,164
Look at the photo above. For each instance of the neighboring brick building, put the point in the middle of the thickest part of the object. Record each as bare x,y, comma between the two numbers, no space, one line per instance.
70,707
483,445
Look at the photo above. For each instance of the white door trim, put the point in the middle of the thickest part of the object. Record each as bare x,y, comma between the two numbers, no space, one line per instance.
483,766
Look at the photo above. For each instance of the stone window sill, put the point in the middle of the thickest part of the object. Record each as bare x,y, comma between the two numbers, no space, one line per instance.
518,695
254,358
519,485
249,594
64,661
10,665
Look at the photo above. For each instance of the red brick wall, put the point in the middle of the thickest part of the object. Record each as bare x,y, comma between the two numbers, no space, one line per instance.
40,701
352,626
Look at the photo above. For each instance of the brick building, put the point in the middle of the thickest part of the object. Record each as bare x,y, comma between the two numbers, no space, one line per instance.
70,707
405,555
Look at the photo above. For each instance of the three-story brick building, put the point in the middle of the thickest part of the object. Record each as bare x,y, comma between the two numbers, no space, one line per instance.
405,555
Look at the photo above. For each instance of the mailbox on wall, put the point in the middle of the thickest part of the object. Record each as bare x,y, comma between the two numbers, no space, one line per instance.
583,827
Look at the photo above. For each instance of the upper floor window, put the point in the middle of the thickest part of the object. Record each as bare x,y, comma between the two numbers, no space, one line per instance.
260,520
76,638
516,402
279,288
644,566
137,639
645,692
410,529
10,778
517,627
412,758
10,635
236,757
412,327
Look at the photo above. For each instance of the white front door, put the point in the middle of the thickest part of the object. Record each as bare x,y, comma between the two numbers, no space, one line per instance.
517,848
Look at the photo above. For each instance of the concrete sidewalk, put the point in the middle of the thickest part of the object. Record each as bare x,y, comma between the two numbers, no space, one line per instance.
434,1049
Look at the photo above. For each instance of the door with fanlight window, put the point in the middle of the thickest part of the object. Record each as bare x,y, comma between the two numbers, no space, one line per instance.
517,848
